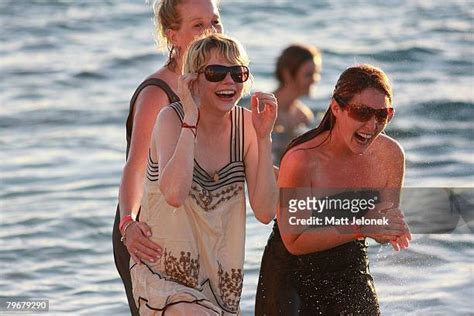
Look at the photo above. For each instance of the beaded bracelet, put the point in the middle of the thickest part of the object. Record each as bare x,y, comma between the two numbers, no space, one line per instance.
127,225
123,221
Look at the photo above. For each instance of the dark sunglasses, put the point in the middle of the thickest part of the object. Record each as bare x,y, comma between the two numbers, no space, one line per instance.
363,113
216,73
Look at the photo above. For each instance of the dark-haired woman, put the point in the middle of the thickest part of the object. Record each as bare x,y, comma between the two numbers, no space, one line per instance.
297,69
347,154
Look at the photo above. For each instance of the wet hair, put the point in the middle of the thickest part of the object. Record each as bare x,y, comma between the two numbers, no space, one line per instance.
293,57
166,16
352,81
199,52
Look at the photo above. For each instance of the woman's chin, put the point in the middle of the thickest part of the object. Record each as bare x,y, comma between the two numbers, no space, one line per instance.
358,147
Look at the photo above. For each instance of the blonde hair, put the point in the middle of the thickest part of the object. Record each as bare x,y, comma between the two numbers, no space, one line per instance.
166,17
199,52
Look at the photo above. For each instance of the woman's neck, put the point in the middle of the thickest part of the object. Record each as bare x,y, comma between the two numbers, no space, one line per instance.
336,146
212,122
286,97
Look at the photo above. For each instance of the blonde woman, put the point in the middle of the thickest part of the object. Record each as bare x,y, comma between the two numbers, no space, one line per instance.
204,149
177,23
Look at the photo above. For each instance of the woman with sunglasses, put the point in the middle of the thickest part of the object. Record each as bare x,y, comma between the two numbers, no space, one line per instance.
347,157
203,150
177,23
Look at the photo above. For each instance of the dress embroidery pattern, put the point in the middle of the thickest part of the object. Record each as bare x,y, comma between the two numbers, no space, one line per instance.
230,286
184,269
209,200
197,267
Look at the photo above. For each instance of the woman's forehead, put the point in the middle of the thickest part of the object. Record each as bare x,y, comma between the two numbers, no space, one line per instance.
192,10
216,57
371,97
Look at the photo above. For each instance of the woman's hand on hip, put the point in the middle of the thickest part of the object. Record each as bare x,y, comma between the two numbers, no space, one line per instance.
138,243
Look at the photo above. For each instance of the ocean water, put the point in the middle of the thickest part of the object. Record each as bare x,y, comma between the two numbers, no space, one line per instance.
69,68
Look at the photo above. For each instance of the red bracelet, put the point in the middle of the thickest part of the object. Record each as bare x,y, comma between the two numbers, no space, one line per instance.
193,128
123,221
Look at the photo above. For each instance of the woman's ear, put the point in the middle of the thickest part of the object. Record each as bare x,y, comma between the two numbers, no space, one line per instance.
335,108
171,36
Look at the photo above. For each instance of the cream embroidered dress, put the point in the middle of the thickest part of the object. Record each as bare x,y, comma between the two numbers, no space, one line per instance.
202,241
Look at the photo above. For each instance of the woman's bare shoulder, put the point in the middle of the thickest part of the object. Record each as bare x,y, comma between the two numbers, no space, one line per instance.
390,147
295,166
154,95
168,117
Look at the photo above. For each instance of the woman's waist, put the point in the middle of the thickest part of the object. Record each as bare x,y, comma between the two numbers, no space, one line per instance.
348,256
351,256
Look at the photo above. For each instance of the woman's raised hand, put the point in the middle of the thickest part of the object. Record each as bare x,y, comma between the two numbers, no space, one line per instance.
263,120
188,100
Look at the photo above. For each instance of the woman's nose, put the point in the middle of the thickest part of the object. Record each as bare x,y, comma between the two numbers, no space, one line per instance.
228,78
373,123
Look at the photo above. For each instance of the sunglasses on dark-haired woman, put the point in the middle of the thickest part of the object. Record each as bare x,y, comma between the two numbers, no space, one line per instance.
364,113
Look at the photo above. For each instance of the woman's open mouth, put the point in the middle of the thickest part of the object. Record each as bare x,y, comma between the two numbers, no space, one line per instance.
363,138
225,95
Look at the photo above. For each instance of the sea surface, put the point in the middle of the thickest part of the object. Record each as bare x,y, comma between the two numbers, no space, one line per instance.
69,68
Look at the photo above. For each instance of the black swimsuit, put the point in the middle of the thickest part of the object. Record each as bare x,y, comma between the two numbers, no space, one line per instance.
121,255
332,282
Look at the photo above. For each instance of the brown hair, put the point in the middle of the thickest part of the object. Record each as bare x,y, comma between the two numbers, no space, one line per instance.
293,57
352,81
166,16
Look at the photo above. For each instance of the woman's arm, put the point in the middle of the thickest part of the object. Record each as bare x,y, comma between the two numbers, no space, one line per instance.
147,106
304,239
175,146
395,158
261,182
295,184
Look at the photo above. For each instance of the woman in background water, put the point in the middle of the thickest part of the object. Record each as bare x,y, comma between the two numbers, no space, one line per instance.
297,69
177,23
323,269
